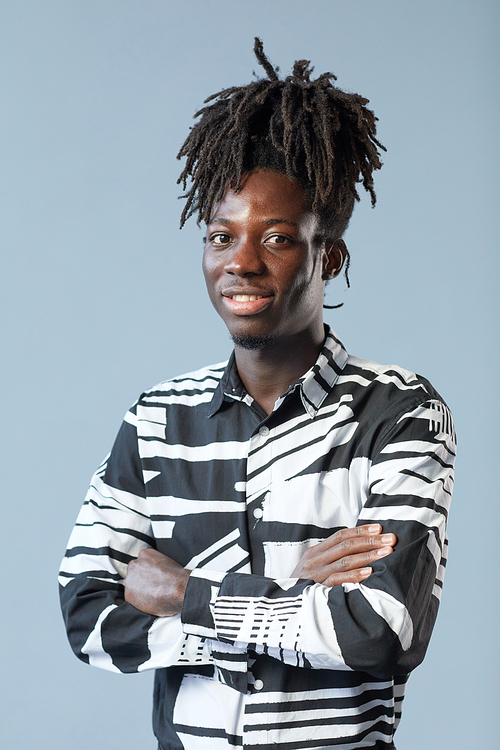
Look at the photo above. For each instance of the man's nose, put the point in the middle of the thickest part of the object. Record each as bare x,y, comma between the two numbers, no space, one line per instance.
245,258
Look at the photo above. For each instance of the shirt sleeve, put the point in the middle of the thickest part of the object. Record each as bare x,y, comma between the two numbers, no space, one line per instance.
111,529
381,626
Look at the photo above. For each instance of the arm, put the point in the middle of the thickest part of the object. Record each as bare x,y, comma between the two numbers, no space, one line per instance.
156,584
381,625
111,530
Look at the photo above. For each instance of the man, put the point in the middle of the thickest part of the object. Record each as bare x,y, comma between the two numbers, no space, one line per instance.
269,534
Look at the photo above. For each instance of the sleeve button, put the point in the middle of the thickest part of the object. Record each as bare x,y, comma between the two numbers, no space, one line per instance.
258,684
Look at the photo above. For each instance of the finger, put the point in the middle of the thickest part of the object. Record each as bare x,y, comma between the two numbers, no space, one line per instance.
326,554
349,576
354,532
345,543
370,534
347,564
340,568
356,562
357,531
360,544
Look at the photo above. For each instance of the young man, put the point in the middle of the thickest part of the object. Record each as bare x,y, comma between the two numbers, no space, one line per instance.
269,534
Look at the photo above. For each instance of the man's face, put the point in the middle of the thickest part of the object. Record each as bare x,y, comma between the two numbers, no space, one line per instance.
263,268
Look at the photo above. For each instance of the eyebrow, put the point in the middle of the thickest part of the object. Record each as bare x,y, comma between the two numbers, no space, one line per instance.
269,222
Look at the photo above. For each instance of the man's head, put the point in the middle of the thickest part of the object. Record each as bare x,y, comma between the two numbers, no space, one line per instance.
311,131
266,266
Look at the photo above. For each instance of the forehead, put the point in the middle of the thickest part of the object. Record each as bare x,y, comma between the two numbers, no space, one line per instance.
266,195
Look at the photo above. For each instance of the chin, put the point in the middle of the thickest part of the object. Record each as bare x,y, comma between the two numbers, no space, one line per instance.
253,342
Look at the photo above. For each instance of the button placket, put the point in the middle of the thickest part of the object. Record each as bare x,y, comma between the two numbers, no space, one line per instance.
258,486
260,453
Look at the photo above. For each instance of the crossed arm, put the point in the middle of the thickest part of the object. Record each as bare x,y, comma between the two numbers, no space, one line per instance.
155,583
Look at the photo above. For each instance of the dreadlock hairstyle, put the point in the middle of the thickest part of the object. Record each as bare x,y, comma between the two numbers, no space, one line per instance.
307,129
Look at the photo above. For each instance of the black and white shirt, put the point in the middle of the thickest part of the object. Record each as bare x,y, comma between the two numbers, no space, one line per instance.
201,473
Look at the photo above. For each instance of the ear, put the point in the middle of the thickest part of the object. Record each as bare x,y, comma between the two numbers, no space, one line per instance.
334,255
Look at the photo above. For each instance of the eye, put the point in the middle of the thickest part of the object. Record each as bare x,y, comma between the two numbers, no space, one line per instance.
278,239
220,239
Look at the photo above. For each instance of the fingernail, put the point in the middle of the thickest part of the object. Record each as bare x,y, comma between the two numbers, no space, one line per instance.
386,538
365,572
384,551
374,528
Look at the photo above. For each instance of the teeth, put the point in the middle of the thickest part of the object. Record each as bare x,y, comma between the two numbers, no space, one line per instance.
245,297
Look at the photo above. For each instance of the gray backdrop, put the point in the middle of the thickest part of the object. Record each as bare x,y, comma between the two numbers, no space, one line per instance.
102,297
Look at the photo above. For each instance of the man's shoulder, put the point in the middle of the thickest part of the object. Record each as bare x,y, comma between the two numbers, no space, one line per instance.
376,371
389,396
196,377
190,388
367,373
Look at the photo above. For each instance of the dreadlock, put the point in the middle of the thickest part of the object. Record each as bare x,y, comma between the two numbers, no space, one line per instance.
307,129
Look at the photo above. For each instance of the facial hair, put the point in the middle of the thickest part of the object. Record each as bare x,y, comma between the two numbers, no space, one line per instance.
253,343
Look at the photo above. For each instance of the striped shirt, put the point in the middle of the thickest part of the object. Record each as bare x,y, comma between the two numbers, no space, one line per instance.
201,473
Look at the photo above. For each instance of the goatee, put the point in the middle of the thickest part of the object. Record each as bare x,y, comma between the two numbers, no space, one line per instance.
253,342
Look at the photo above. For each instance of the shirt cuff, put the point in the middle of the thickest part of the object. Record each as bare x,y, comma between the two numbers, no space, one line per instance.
230,661
201,592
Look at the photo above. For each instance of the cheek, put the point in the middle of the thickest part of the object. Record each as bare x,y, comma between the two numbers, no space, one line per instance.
305,279
209,267
204,263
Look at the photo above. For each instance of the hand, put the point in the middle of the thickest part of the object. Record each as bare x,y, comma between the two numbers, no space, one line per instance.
155,584
344,556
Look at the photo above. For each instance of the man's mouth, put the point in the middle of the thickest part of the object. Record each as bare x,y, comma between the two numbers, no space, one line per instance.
246,297
247,304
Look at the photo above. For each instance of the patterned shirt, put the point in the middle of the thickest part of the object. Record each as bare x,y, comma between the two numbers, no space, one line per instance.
201,473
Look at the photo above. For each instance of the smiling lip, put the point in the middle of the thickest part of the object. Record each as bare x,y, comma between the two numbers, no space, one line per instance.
246,304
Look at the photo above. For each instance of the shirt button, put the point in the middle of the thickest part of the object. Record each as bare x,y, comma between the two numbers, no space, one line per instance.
258,513
258,684
264,431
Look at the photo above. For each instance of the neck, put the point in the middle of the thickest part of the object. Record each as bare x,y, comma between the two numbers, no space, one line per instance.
267,372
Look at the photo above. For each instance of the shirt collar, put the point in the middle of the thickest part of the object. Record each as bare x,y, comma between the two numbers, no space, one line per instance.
317,383
229,387
314,386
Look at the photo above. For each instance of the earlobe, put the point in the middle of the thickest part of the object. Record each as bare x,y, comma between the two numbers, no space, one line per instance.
335,254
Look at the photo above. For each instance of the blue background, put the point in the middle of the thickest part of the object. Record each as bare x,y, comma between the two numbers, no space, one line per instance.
102,296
